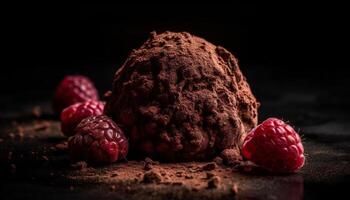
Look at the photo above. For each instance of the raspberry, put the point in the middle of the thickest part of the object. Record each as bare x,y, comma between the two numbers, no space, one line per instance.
73,89
72,115
98,140
275,146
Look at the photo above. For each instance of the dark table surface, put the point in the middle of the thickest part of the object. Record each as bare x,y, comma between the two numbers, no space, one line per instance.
317,107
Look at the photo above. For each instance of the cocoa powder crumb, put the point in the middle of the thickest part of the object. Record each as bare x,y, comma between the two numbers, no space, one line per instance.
45,158
231,156
209,167
11,135
79,165
41,127
36,111
214,182
112,187
149,160
179,174
107,95
63,146
147,166
245,166
218,160
234,189
188,176
210,175
195,189
151,177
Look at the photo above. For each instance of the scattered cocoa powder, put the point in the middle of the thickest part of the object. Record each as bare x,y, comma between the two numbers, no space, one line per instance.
214,182
231,156
218,160
179,174
150,161
147,166
151,177
79,165
210,175
188,176
41,126
209,166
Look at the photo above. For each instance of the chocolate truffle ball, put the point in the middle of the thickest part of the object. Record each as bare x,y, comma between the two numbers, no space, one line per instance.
181,98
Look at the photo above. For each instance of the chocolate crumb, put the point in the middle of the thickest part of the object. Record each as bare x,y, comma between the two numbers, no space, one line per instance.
234,189
218,160
11,135
107,95
231,156
45,158
113,187
63,146
36,111
188,176
178,174
79,165
151,177
41,127
245,166
214,182
209,166
148,166
114,175
210,175
149,160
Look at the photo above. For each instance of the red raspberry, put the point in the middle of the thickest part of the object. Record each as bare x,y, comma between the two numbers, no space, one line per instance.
98,140
73,89
275,146
72,115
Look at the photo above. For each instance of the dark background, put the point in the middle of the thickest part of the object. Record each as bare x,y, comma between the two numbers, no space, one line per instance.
293,54
287,42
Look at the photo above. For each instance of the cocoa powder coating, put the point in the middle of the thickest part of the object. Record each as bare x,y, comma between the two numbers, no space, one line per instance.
181,98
